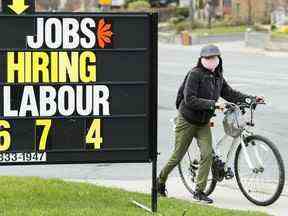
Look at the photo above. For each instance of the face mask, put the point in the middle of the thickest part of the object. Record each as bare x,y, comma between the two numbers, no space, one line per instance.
211,63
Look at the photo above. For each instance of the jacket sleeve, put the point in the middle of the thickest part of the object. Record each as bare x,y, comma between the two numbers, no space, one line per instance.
191,91
231,95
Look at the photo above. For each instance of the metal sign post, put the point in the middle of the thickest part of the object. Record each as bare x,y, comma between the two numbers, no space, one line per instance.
154,67
78,87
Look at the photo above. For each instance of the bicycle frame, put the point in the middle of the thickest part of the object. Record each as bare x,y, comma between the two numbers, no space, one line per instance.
234,145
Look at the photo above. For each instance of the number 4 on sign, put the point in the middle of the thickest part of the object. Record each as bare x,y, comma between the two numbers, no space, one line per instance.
93,136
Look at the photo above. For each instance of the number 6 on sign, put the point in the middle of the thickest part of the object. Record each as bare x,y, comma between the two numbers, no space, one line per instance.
5,145
93,136
47,125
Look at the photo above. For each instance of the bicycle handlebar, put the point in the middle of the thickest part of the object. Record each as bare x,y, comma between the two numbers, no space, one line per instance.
241,106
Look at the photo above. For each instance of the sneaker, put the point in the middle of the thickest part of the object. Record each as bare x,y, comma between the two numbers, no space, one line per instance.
201,197
161,189
229,173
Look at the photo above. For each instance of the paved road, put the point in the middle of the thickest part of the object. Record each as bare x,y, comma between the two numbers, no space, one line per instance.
250,71
247,70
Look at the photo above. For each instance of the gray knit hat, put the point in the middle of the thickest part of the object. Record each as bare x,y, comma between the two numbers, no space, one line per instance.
210,50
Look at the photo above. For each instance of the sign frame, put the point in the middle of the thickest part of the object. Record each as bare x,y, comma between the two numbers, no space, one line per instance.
152,86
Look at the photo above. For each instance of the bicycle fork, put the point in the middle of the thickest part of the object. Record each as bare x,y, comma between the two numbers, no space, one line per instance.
260,164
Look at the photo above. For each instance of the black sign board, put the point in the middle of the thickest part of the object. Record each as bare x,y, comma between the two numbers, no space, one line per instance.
78,88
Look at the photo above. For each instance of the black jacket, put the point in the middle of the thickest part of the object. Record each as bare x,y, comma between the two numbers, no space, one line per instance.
201,91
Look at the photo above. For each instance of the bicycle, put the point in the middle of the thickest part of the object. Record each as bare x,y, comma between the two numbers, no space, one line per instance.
252,159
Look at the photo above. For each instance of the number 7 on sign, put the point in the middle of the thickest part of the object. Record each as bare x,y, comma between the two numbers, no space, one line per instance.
47,125
93,136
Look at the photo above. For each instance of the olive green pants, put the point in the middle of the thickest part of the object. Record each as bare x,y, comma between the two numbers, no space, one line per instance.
184,134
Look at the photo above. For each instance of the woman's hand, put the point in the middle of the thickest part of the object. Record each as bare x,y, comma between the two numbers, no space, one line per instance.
260,99
220,106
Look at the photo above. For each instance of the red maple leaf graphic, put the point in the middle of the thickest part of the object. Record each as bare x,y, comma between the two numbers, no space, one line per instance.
104,33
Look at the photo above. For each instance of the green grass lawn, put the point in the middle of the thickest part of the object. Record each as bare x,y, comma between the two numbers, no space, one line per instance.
279,35
39,197
218,30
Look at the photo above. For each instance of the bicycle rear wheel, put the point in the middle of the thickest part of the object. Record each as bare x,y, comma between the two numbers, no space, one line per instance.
264,184
188,170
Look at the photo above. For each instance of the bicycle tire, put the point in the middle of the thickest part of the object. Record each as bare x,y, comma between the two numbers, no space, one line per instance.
280,165
209,190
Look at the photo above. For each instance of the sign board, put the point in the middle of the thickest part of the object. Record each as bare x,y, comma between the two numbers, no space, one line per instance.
77,87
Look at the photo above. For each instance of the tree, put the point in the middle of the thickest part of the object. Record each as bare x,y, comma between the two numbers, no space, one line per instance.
210,8
200,4
249,3
191,11
47,5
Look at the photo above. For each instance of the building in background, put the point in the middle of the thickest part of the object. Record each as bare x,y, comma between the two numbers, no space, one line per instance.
74,5
248,11
252,10
66,5
47,5
279,15
257,10
227,7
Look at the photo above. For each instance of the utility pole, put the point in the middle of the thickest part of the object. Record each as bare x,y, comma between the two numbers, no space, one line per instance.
249,12
268,9
191,11
210,11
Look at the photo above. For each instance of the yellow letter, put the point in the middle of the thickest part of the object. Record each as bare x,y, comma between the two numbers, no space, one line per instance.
12,67
88,55
28,72
43,140
71,68
40,66
5,135
54,67
93,136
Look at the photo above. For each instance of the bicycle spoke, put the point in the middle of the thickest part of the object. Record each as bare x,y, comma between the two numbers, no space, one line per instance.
261,183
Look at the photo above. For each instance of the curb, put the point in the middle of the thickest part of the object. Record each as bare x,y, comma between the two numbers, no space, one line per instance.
173,37
263,41
252,45
225,197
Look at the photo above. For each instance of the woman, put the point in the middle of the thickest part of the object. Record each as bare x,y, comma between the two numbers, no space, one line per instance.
202,88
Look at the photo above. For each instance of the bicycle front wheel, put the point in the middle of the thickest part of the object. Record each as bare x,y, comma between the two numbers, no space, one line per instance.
264,184
188,170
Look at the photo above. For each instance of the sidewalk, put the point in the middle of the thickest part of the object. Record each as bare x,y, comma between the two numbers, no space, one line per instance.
234,47
224,197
